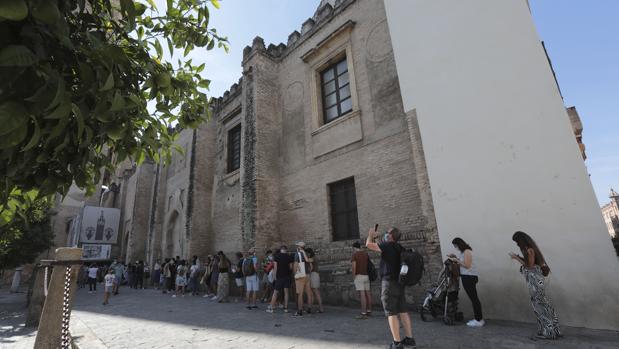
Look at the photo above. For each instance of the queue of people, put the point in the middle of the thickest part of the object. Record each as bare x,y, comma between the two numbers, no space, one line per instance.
272,279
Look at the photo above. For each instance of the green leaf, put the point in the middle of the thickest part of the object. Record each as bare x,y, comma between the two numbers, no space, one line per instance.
15,137
152,4
80,120
109,83
200,68
46,11
61,112
215,3
170,47
14,10
187,50
36,136
12,117
118,102
204,83
16,56
163,80
158,48
60,91
139,8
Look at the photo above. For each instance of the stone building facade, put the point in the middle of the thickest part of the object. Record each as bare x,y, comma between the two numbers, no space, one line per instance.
270,166
610,212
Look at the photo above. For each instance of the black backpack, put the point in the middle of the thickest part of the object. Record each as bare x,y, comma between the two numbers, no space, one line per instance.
414,261
372,273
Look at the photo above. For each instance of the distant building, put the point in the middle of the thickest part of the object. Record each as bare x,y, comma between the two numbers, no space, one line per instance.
610,212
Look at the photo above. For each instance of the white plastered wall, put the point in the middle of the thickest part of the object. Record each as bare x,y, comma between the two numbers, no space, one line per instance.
501,155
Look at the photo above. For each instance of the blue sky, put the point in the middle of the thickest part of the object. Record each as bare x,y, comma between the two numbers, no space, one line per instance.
582,39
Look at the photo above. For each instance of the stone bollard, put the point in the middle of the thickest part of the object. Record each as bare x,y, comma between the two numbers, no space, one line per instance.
37,295
54,324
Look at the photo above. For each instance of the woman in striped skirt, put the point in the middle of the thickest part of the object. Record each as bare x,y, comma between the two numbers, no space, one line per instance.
535,269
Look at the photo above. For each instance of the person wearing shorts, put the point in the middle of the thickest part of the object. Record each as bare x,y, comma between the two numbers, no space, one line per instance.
237,271
360,261
108,286
392,292
302,271
314,280
250,272
282,268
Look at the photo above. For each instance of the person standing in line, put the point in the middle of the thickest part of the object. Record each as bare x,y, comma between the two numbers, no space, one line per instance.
118,275
223,280
215,276
282,268
165,274
194,271
206,277
109,280
250,272
82,276
314,280
267,278
302,279
393,294
92,278
180,279
469,277
237,271
139,275
534,268
360,261
173,270
156,279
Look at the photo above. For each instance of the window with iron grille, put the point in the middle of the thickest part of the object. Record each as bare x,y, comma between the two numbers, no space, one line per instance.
234,148
343,201
336,100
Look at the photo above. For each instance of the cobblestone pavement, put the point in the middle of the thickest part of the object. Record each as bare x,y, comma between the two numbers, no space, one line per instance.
149,319
13,333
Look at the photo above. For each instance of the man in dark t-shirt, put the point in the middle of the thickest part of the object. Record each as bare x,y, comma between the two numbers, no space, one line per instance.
392,292
282,264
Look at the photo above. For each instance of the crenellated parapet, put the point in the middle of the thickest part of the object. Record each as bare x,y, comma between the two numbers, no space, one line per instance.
235,90
326,11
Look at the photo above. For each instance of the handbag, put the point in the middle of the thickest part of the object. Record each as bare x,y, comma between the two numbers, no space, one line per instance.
300,272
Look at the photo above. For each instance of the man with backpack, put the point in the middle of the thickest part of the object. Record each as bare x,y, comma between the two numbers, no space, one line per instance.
249,267
360,265
393,294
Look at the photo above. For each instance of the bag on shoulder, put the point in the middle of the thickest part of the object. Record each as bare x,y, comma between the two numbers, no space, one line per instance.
372,273
300,272
248,267
412,267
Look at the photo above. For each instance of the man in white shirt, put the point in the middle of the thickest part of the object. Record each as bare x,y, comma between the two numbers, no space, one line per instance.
92,278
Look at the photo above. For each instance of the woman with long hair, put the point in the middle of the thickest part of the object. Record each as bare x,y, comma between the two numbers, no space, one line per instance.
223,281
534,268
469,277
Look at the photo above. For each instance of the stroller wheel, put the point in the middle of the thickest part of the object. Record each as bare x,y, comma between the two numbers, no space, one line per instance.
422,314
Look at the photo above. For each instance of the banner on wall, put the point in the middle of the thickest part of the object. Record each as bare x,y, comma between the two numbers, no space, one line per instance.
99,225
96,251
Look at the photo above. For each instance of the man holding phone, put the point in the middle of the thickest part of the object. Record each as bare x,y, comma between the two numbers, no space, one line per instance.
392,292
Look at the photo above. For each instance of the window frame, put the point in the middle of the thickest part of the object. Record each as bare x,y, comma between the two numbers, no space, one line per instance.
347,188
230,166
333,66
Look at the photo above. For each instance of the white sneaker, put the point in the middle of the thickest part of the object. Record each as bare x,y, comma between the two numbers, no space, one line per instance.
475,323
205,296
173,296
214,298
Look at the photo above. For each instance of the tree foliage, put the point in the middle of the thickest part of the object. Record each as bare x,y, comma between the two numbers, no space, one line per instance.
22,240
83,79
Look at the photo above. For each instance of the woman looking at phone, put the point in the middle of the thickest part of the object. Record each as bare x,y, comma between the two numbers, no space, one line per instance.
534,268
468,275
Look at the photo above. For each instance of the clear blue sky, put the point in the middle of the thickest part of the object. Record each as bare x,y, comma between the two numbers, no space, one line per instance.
582,39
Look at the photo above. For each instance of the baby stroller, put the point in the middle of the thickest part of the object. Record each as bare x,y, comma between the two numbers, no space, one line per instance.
442,298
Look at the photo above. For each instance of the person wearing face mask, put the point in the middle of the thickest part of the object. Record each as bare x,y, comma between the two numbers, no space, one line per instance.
282,267
393,294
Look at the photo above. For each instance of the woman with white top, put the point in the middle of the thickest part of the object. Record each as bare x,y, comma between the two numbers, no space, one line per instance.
468,274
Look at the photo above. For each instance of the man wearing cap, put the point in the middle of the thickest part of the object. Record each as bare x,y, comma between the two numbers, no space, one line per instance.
250,268
301,278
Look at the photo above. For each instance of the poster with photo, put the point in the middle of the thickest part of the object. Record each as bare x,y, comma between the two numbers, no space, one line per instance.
99,225
96,251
